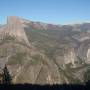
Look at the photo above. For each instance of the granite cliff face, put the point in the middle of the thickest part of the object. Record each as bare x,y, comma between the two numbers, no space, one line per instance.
41,53
14,28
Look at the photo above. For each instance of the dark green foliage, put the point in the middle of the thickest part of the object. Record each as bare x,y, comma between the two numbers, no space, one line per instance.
7,39
17,59
6,79
87,75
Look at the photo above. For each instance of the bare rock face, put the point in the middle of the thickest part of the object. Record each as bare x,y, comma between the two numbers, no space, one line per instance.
15,28
69,56
88,56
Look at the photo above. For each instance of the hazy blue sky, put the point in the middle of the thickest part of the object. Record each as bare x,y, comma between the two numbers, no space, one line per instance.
49,11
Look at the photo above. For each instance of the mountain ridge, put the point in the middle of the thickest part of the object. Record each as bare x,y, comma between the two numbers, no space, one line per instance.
47,26
41,53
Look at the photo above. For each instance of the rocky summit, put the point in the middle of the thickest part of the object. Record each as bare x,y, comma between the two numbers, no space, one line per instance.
14,28
41,53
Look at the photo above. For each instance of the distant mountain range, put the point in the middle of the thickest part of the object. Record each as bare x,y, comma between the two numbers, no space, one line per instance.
40,53
46,26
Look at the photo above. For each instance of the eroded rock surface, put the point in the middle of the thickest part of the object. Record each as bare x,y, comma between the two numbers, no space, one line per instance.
41,53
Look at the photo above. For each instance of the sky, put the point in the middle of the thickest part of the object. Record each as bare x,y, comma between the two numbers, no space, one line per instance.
48,11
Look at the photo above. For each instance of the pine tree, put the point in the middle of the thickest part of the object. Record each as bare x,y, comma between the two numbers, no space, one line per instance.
6,79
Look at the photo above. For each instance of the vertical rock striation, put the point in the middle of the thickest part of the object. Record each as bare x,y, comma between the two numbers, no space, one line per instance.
15,27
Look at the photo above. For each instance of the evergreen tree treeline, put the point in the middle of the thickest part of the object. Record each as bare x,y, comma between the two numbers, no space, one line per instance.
6,77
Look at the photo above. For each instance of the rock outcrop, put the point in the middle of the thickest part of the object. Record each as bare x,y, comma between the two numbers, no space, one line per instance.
14,28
